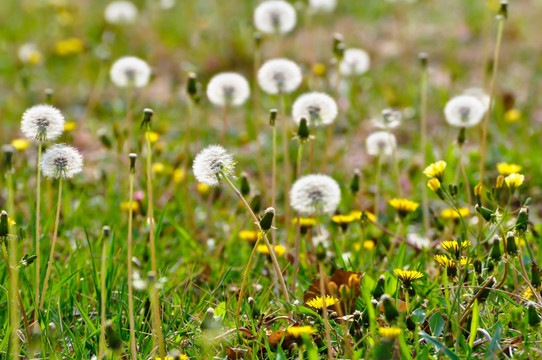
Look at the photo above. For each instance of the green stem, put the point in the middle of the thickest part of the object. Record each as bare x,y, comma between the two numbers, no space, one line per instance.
130,289
377,186
287,174
53,244
103,271
37,224
423,145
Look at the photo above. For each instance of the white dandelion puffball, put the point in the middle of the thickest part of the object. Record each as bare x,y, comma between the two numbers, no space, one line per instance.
130,71
390,119
315,193
42,122
29,53
322,5
464,111
279,76
480,94
228,88
354,62
210,163
120,12
275,16
381,143
318,108
61,161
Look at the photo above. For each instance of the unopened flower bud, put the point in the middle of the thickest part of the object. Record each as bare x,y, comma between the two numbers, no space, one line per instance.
267,220
303,130
511,246
354,185
245,186
133,158
272,116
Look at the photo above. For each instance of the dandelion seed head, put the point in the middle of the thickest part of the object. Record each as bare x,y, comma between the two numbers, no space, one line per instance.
279,76
322,5
381,143
120,12
130,71
480,94
228,88
42,122
318,108
315,193
464,111
390,119
354,62
210,162
61,161
275,16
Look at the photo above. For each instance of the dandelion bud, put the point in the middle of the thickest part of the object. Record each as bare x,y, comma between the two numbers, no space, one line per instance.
245,186
511,246
339,51
453,190
106,230
354,185
267,220
303,130
337,40
256,203
499,182
535,275
532,315
113,339
9,152
478,193
147,117
477,264
523,220
496,252
461,136
503,11
390,311
423,59
192,85
49,95
4,225
133,158
104,138
258,39
272,116
378,291
487,214
320,252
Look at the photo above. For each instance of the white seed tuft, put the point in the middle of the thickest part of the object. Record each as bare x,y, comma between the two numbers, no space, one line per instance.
275,16
42,122
316,193
61,161
210,162
318,108
279,76
130,71
228,88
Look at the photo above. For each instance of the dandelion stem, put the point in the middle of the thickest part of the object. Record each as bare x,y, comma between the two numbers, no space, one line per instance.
298,226
103,271
188,206
225,117
423,145
53,244
157,328
324,309
377,185
37,239
287,174
269,247
274,181
485,125
130,289
245,278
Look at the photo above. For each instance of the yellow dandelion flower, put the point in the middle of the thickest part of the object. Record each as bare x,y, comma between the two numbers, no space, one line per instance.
527,293
203,189
68,47
465,261
508,169
403,206
125,205
154,137
178,175
453,214
343,219
435,170
434,184
20,144
512,115
319,69
279,250
453,246
298,331
407,276
499,182
369,245
390,333
181,357
158,168
317,302
70,126
305,222
514,181
363,215
445,261
249,235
